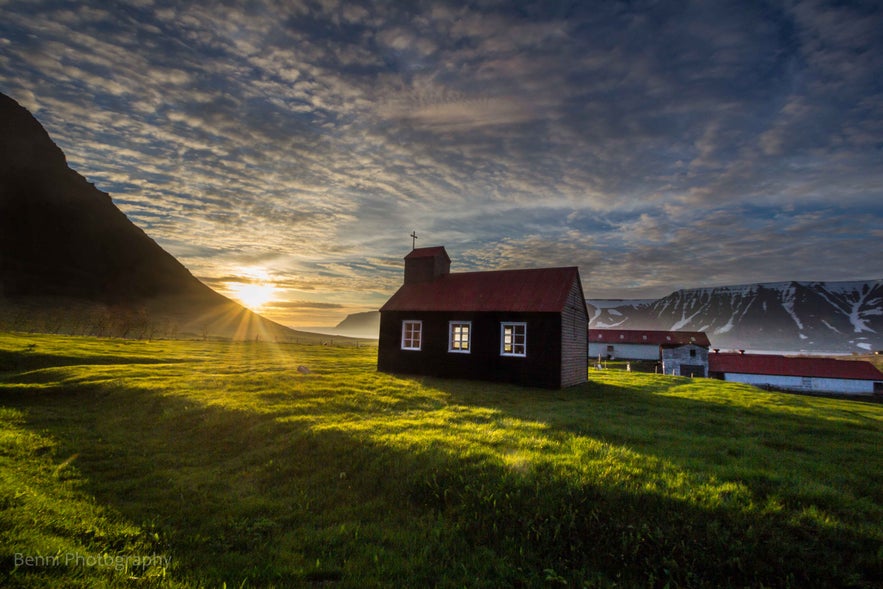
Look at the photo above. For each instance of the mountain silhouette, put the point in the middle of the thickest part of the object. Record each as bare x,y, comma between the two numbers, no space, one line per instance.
65,248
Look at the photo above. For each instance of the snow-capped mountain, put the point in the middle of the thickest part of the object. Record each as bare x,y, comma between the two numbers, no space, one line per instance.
831,317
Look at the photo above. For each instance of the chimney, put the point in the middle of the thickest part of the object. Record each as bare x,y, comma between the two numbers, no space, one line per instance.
425,264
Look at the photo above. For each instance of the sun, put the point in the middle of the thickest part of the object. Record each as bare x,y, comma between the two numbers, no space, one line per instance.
254,290
253,296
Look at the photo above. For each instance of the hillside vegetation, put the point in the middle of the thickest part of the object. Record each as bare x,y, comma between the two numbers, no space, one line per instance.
196,464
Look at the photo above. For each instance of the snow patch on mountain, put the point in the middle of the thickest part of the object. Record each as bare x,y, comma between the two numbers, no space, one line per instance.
787,298
724,328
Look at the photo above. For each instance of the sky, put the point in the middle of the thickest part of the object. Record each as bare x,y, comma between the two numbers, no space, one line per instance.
284,150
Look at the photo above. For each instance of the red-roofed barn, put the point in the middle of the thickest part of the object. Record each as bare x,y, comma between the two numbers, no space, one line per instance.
523,326
683,353
798,373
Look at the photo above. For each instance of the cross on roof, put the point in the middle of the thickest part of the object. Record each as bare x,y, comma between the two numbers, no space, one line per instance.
413,240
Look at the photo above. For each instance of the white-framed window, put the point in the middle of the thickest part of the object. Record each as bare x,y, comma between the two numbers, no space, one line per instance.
513,339
460,337
412,335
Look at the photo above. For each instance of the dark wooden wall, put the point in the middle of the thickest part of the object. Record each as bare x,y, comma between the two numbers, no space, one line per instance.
574,339
541,367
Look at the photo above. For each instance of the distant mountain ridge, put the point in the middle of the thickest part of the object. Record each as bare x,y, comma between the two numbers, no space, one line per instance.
365,324
823,317
71,261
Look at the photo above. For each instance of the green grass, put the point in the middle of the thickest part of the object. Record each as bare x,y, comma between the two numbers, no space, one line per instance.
233,468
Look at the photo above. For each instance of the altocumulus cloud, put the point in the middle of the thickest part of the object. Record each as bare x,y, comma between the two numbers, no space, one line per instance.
655,145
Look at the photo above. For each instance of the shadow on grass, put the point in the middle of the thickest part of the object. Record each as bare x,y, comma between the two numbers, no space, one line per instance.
651,406
14,361
266,499
714,431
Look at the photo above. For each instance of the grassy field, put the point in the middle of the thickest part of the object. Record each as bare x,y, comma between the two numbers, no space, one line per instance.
209,464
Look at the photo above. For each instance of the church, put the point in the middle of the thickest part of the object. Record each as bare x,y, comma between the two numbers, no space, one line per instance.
527,327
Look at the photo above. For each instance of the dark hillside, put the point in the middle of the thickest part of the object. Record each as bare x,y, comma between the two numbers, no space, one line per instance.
72,262
61,236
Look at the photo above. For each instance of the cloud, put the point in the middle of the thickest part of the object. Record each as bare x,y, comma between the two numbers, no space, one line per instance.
769,245
303,305
643,142
534,251
467,114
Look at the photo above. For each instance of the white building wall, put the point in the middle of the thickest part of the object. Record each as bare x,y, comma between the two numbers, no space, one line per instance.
624,351
842,385
674,357
792,383
807,384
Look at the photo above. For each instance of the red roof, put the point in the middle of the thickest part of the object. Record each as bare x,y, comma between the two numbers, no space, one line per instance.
793,366
541,290
654,338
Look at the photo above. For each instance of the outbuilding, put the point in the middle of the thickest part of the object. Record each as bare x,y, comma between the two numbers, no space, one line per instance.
805,374
521,326
683,353
684,359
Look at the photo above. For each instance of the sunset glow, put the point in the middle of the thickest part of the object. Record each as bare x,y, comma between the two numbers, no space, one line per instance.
254,291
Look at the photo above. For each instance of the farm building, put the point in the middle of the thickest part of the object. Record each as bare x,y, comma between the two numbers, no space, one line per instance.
684,359
798,373
521,326
679,352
